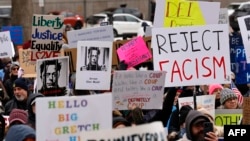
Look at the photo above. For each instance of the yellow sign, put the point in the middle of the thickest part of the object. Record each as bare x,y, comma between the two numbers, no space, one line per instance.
227,116
183,13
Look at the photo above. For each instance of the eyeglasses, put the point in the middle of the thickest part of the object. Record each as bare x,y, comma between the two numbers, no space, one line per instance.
15,68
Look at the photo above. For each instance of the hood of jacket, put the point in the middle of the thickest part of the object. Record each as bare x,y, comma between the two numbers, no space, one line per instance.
192,116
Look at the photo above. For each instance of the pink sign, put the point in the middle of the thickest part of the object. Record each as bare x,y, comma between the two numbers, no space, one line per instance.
134,52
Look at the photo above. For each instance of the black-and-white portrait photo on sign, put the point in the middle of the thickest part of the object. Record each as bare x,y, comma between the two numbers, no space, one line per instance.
52,76
93,65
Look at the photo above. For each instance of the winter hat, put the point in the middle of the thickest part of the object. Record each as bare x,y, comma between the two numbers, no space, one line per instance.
212,88
120,120
18,115
183,113
20,132
226,93
14,64
20,82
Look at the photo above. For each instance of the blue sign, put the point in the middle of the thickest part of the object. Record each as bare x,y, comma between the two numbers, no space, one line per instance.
238,59
16,34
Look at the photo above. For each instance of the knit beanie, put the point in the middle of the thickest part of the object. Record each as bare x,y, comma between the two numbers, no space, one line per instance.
212,88
18,115
226,93
20,82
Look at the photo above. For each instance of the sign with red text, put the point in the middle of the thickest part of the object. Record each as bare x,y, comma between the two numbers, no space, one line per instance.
142,89
146,132
46,37
66,118
195,55
26,64
244,24
177,13
93,65
134,52
204,101
6,46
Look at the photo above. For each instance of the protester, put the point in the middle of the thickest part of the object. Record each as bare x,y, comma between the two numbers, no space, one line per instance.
31,104
120,122
229,99
21,132
215,89
195,129
18,116
2,127
21,94
13,76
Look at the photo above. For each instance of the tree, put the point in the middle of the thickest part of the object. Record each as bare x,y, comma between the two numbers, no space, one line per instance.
22,12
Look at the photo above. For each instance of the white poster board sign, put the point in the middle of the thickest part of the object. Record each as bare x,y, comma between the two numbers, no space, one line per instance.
93,65
244,24
223,17
204,101
147,132
67,118
6,46
142,89
195,55
101,33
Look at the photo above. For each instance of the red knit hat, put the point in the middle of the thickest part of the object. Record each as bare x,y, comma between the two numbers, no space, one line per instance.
18,115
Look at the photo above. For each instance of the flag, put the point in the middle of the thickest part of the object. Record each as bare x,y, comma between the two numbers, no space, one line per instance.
237,92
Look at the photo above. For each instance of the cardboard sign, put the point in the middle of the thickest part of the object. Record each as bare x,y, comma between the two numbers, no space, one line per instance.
147,132
67,118
246,111
26,64
244,24
72,54
192,55
134,52
46,37
142,89
227,117
101,33
6,46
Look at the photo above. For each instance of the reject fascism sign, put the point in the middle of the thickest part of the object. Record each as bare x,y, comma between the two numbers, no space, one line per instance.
47,35
194,55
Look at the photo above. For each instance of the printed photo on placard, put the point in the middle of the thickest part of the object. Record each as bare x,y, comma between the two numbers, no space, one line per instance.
93,70
52,76
94,58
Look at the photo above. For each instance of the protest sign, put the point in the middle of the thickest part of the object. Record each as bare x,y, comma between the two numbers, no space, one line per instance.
176,13
93,65
246,111
117,44
26,64
46,37
52,76
244,24
239,65
227,116
16,34
66,118
72,54
223,17
195,55
101,33
142,89
134,52
147,132
204,101
6,46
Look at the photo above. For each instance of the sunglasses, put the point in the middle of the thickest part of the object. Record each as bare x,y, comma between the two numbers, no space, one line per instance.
15,68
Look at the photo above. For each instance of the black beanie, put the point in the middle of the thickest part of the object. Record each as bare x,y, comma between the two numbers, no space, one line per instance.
183,113
20,82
